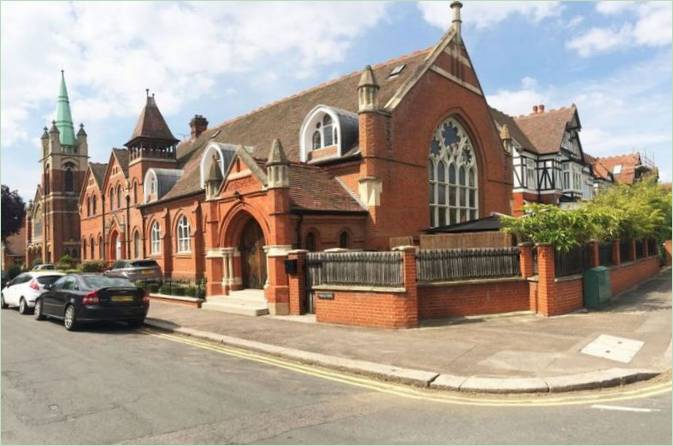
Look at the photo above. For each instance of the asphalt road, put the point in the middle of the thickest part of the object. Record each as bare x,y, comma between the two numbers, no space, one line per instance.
109,384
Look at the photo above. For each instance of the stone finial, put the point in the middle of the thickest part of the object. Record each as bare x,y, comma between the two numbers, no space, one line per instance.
45,135
276,154
81,131
53,129
504,133
368,90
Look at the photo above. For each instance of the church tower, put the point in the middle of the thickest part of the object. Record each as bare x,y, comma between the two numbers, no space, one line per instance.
64,163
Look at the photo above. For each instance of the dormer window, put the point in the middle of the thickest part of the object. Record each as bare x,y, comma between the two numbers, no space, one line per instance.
617,169
327,132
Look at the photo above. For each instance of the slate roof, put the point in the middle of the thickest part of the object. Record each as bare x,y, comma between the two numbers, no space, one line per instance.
98,170
123,158
151,124
545,129
282,119
514,130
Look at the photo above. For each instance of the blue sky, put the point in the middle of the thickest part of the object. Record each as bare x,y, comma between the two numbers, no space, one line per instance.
612,59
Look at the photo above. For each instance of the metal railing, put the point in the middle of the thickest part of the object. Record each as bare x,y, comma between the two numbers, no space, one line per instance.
605,254
575,261
640,249
625,251
382,269
435,265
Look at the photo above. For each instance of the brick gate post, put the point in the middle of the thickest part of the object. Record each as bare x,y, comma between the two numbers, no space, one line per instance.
526,259
297,281
546,287
594,254
616,260
410,280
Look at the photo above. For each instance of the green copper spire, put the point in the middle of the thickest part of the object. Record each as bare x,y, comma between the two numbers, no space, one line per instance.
63,116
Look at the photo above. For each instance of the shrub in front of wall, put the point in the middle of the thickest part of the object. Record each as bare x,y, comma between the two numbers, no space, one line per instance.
191,291
178,291
153,287
13,271
95,266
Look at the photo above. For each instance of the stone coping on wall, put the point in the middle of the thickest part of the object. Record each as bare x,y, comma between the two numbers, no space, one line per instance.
631,262
472,281
182,300
569,278
373,289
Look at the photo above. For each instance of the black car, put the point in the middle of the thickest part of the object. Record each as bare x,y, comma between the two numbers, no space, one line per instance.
79,298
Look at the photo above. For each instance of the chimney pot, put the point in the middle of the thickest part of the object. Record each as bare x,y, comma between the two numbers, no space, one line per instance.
198,125
541,108
534,108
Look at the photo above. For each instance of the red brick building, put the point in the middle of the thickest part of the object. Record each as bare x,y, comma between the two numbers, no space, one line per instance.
390,151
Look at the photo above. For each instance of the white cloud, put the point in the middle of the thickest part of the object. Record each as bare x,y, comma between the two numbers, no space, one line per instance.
629,110
648,24
112,51
482,14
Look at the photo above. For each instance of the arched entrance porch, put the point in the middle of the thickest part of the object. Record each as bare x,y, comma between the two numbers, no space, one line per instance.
252,256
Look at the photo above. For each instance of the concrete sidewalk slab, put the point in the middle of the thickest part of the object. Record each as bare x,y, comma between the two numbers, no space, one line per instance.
494,355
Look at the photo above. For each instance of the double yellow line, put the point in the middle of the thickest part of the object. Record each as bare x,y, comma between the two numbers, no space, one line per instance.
605,395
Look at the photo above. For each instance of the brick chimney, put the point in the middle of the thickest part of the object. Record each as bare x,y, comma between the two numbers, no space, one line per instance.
534,109
198,125
541,108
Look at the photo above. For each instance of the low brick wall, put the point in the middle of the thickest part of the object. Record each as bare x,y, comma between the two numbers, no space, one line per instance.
365,308
627,275
569,296
177,300
436,301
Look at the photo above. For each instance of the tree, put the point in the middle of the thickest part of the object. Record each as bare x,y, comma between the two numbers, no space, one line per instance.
13,212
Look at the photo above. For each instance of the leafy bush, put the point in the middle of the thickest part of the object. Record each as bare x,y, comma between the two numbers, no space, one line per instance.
165,289
153,287
95,266
66,262
178,291
190,291
13,271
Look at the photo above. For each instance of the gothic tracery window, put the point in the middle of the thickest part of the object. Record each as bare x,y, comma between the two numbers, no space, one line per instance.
452,173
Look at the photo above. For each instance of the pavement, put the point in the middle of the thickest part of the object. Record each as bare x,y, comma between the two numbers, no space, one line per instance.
628,340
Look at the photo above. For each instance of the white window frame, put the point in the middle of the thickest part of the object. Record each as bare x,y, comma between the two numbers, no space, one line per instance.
460,195
308,128
155,237
183,235
531,174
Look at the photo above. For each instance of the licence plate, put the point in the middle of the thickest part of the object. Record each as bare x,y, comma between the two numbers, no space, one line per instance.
121,298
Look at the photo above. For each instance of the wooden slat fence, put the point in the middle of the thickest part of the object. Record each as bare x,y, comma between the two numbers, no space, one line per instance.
382,269
437,265
575,261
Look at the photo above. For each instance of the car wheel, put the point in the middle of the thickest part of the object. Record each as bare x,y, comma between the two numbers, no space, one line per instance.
23,306
136,323
70,319
3,304
38,310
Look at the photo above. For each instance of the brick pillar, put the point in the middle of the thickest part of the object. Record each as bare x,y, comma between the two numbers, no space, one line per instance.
667,251
633,250
297,282
594,254
214,273
546,287
276,289
616,260
409,318
526,259
646,248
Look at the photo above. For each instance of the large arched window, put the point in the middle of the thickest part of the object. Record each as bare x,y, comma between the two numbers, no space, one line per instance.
100,247
155,239
84,248
88,206
91,248
112,198
452,173
68,178
184,240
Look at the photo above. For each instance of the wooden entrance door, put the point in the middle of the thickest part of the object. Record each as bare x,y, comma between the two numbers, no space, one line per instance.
253,259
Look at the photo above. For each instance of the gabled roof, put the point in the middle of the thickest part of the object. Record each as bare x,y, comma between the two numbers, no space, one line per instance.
282,119
546,129
98,171
514,130
122,156
151,126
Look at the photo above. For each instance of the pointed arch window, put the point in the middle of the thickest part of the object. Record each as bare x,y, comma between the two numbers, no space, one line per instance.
155,238
344,240
137,249
112,197
452,176
119,197
91,248
183,236
68,178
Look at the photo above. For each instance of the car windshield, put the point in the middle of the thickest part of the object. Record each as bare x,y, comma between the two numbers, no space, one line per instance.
46,280
97,282
119,264
144,263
